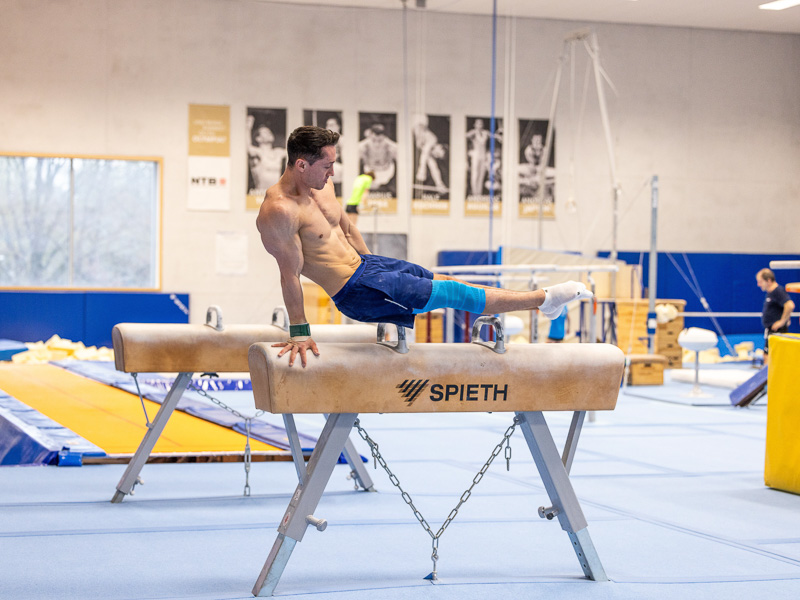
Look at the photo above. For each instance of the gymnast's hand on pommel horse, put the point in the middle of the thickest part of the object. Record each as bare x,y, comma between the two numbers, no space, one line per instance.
305,228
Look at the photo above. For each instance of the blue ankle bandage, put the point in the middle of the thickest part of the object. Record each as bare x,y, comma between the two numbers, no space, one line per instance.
454,294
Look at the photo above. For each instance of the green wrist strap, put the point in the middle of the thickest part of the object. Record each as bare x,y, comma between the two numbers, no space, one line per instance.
300,329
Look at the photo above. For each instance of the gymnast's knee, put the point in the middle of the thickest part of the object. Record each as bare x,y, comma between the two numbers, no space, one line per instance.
448,293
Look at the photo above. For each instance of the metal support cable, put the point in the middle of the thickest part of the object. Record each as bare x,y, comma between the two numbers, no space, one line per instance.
492,126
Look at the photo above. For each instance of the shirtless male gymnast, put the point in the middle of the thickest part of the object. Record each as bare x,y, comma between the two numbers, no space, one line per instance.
304,227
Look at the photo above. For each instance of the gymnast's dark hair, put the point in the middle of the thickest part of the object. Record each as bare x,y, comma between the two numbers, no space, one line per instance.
307,143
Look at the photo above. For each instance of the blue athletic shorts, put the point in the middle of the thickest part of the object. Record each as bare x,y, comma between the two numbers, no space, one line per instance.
385,290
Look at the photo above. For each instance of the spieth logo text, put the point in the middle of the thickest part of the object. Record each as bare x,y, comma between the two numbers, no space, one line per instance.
410,390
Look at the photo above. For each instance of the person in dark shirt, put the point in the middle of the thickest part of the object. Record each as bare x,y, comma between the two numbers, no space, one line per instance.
778,306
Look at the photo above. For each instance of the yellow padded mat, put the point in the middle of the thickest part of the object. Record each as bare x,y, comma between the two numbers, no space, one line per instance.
110,418
782,461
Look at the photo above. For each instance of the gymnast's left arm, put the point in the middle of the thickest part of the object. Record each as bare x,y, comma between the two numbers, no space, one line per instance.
353,235
279,231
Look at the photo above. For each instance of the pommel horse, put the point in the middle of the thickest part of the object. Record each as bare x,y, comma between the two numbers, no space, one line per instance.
212,348
476,377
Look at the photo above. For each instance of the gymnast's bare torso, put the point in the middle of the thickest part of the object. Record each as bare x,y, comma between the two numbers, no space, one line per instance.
305,228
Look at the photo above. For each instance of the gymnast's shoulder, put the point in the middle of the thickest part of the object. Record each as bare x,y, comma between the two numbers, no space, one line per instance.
280,206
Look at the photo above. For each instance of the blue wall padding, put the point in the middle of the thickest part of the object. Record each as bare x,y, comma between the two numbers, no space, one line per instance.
106,309
728,283
87,317
35,316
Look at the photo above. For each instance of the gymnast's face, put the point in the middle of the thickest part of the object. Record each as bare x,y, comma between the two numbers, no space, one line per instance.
316,174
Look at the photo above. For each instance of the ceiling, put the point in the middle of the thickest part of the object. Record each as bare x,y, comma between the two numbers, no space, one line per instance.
709,14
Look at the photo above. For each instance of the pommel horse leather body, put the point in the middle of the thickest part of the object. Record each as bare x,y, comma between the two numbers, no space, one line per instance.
373,378
438,378
188,348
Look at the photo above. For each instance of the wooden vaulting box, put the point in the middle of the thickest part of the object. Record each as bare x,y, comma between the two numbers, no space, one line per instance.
646,369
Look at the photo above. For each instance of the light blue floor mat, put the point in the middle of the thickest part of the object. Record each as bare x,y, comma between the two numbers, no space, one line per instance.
673,494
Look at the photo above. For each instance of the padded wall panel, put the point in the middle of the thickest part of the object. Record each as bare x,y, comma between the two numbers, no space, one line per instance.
88,317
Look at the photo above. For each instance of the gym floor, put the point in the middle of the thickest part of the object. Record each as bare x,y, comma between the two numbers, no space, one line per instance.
672,489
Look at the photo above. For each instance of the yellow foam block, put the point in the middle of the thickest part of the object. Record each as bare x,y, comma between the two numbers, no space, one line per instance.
57,348
111,418
782,464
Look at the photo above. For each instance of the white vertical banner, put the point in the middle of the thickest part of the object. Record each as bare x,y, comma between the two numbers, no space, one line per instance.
209,164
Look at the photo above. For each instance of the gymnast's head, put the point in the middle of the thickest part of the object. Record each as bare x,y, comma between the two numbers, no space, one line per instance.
307,143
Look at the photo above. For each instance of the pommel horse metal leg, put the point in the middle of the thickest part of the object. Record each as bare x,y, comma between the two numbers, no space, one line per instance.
358,470
351,455
305,499
555,477
129,478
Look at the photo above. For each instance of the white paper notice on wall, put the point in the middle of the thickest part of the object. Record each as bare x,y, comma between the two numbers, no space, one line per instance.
209,187
231,253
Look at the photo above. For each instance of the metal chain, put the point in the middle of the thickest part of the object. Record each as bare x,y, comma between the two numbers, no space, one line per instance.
247,423
221,404
378,459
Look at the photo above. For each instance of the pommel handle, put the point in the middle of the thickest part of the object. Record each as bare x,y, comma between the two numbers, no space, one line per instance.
499,345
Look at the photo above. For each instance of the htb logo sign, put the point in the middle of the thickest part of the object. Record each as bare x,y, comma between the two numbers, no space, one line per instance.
209,181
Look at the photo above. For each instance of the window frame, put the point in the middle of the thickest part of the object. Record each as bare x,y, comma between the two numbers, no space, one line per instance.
159,220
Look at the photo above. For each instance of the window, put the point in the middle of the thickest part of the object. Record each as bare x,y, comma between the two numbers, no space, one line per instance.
74,222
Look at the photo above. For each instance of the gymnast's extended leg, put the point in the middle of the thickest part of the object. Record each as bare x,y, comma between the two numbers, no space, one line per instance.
449,292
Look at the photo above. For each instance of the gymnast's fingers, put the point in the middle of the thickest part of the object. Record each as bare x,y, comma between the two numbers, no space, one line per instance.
302,351
293,354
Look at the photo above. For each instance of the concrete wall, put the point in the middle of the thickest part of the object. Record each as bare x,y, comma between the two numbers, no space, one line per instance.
714,114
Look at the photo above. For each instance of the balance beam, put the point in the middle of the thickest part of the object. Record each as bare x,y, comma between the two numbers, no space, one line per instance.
524,379
211,348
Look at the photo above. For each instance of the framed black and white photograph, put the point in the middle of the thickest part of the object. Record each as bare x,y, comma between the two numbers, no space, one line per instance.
329,119
377,152
266,151
484,153
535,175
431,186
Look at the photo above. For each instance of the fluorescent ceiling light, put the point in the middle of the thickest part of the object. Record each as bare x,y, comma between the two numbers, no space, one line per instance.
779,4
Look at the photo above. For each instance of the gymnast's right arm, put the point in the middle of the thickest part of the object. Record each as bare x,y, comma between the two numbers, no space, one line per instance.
280,235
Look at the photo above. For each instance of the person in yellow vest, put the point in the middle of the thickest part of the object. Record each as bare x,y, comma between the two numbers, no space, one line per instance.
360,187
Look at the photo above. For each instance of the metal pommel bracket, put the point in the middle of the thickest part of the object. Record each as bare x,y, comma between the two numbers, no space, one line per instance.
215,310
499,345
401,346
320,524
281,310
